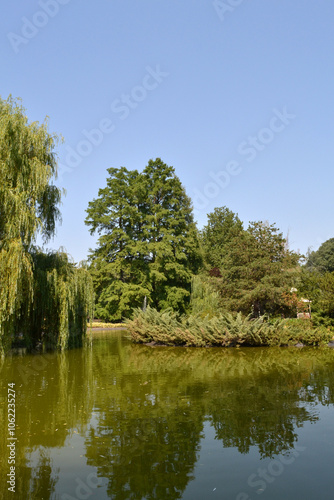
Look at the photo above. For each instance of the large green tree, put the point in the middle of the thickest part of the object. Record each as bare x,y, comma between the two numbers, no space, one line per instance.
29,202
28,205
118,265
257,270
148,245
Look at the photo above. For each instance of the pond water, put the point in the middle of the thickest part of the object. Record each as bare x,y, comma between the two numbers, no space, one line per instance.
123,421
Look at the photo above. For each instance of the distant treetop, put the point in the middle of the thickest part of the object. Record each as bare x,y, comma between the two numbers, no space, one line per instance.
322,260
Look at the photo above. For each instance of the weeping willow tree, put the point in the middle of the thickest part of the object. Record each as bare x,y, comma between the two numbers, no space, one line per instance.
204,300
64,298
29,204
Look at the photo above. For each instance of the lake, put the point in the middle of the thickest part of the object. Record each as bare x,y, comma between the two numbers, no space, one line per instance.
115,420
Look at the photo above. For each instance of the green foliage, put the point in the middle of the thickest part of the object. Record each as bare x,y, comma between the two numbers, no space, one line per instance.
204,299
16,287
65,298
319,287
223,225
42,297
148,243
118,299
309,283
28,205
326,295
322,260
319,319
256,270
28,200
225,330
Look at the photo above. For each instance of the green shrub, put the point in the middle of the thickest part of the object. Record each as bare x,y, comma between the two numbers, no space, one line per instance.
167,328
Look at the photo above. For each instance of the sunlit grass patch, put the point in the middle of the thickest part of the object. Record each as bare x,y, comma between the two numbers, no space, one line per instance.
101,324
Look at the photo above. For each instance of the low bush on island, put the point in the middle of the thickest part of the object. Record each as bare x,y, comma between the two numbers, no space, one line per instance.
225,330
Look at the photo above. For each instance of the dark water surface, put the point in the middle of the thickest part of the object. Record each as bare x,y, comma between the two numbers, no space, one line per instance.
123,421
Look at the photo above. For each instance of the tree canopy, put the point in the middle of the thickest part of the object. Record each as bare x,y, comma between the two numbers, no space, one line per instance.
149,251
322,260
28,198
222,226
148,248
255,268
29,204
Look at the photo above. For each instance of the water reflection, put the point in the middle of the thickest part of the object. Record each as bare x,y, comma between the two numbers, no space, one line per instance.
140,412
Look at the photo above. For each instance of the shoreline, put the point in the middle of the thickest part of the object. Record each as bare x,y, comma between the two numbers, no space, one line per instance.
115,328
299,345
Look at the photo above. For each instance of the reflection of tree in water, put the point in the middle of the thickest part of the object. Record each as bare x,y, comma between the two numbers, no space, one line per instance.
52,399
319,387
147,438
150,430
151,457
261,412
147,407
43,477
35,480
266,407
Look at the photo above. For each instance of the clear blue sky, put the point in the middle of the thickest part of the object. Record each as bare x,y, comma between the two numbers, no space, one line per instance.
237,96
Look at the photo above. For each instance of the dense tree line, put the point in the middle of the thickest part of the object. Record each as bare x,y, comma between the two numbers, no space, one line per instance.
255,272
150,252
252,268
43,297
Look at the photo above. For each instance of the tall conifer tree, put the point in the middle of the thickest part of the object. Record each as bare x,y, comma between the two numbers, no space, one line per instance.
148,243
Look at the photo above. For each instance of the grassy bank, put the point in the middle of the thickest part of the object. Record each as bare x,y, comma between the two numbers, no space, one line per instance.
225,330
101,324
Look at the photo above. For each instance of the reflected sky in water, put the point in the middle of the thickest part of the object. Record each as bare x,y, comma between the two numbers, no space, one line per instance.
124,421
